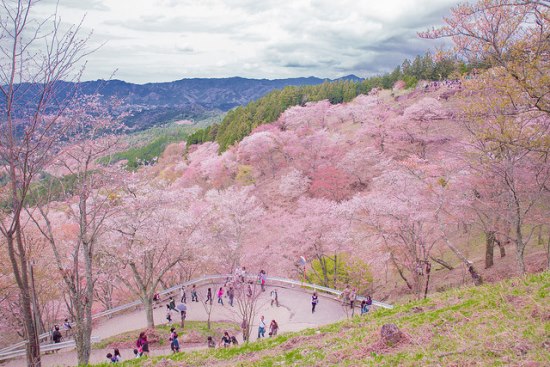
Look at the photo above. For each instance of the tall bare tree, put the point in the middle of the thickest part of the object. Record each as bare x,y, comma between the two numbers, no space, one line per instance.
35,55
87,196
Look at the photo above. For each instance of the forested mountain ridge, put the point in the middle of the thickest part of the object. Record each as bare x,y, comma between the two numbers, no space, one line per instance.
154,104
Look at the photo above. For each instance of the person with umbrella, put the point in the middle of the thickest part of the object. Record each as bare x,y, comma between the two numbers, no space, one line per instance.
182,308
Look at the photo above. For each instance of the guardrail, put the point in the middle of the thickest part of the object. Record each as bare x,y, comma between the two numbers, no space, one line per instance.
43,348
204,279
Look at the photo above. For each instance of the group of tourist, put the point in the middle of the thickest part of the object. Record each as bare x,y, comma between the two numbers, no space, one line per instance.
273,328
349,297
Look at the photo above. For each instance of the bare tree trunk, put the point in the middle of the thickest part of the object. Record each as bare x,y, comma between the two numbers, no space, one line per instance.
489,248
520,245
148,304
20,273
501,248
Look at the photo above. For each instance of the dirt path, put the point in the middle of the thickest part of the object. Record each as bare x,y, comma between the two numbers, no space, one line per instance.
293,314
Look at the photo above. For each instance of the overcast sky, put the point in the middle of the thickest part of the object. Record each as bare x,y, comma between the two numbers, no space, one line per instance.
165,40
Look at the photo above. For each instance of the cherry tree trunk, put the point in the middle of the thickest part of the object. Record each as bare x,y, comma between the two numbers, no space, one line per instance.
489,248
20,272
148,304
520,246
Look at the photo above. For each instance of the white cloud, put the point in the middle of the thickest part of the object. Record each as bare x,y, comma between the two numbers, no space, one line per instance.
165,40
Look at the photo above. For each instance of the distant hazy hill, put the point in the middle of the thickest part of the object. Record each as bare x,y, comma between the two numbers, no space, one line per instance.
152,104
222,93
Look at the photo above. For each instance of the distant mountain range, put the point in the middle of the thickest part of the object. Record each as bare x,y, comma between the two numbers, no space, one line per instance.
219,93
154,104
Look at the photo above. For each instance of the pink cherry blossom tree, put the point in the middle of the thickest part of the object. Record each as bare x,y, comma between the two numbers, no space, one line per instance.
230,215
150,237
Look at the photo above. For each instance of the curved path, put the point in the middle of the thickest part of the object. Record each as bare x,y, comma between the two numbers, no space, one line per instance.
293,314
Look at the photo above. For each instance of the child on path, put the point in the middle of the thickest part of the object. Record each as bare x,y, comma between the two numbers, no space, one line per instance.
174,343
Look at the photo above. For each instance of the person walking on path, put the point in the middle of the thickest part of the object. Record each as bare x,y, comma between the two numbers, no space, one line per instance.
194,297
314,301
231,295
172,303
183,295
168,313
262,279
261,328
209,296
274,297
273,328
220,296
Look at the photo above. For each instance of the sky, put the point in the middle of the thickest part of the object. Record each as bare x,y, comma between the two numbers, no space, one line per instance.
143,41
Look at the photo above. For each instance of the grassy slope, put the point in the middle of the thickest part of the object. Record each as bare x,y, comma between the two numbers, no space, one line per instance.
503,324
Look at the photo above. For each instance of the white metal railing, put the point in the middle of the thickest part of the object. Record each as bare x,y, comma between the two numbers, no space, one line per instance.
43,348
203,279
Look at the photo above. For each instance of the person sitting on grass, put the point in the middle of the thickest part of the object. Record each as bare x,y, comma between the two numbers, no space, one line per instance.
226,340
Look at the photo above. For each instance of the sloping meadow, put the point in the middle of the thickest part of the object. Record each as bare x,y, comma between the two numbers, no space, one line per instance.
503,324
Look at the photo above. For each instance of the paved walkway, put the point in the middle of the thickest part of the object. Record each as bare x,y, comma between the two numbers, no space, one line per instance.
293,314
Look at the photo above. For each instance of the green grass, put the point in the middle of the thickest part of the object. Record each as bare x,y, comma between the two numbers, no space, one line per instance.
503,324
